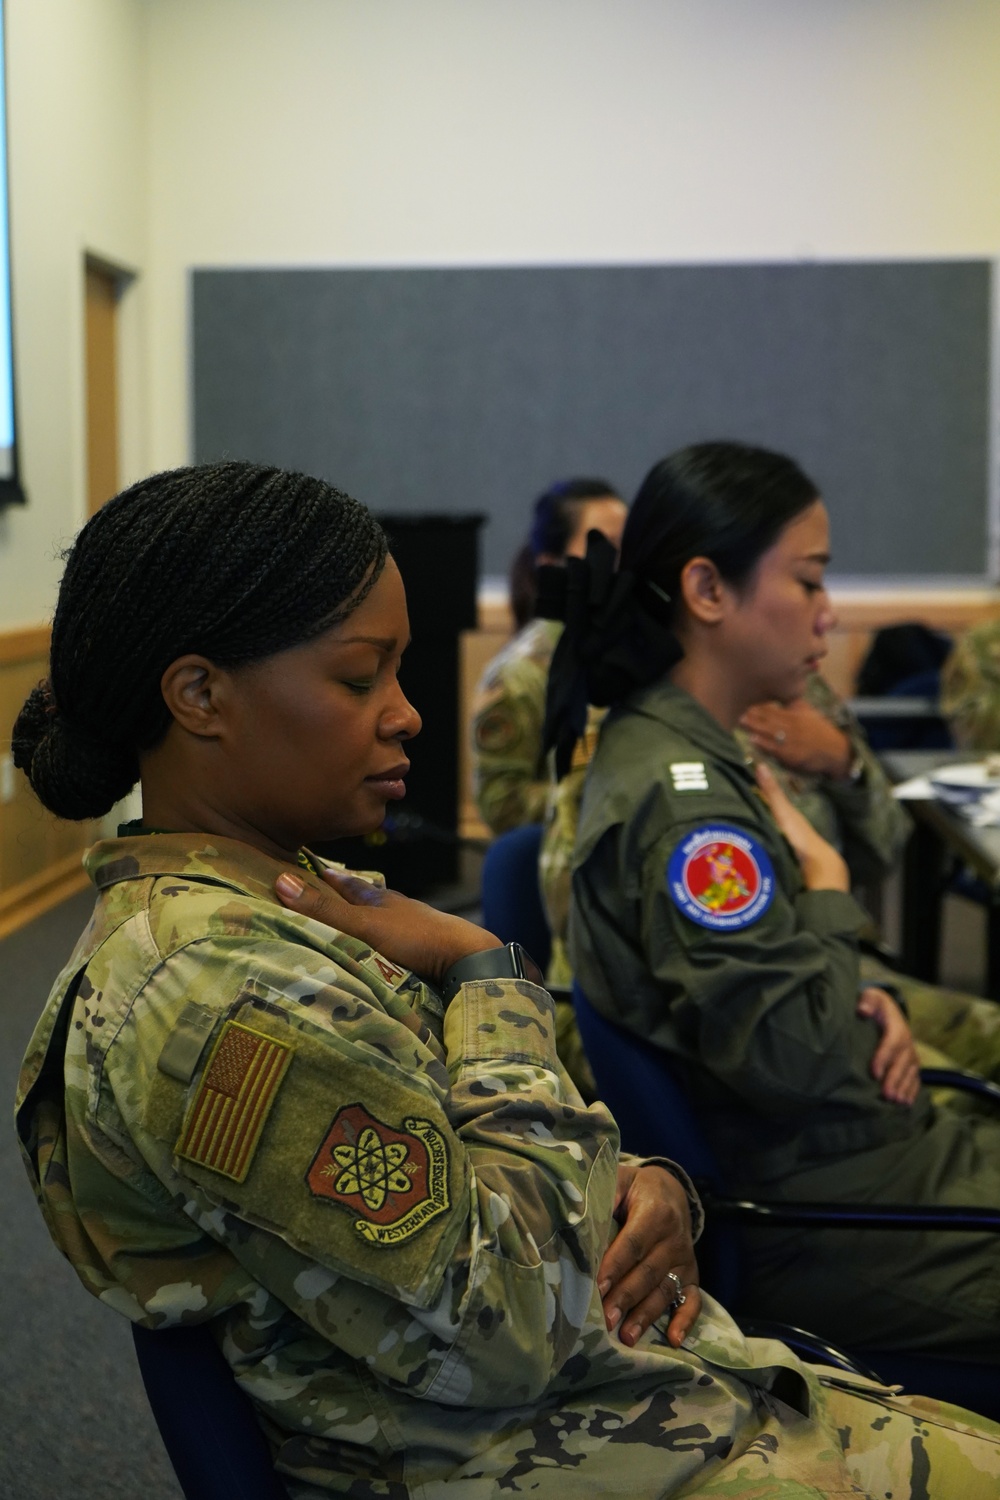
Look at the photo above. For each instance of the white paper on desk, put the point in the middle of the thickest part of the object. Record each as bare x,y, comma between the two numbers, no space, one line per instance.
985,813
917,789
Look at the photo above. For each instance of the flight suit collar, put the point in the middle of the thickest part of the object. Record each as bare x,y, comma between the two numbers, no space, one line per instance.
676,708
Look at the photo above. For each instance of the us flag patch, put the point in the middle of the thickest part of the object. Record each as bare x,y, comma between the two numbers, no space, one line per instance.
233,1100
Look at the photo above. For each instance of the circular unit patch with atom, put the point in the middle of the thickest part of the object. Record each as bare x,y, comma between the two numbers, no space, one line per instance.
721,878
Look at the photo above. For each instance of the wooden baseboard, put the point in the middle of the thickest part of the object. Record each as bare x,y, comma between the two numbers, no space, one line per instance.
22,903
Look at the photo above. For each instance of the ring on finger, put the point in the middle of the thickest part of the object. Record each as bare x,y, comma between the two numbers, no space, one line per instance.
679,1294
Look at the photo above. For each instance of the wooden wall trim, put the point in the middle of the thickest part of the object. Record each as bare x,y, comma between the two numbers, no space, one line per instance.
942,609
24,644
30,898
857,609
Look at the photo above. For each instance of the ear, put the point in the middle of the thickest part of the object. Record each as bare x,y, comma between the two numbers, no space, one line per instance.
192,690
703,590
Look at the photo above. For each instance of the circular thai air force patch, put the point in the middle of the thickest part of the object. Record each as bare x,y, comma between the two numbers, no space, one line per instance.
721,878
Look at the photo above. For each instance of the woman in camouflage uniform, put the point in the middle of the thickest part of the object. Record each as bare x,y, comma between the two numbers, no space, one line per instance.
970,688
338,1127
710,917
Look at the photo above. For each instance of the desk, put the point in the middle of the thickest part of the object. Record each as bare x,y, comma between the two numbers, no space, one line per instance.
939,831
894,708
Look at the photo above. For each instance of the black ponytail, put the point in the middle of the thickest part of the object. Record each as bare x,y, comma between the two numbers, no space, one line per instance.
725,501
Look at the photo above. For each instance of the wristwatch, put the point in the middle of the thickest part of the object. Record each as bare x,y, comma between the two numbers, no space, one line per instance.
510,962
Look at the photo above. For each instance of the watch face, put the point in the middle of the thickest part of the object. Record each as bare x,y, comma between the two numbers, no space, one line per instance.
525,965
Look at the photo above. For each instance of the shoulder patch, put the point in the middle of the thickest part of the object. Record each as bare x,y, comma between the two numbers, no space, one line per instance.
496,730
239,1086
689,776
395,1181
721,877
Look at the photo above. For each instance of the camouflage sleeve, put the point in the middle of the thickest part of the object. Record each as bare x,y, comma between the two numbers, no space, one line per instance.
429,1220
510,786
970,688
555,862
874,825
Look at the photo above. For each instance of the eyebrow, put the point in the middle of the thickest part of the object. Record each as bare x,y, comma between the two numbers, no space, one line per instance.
380,642
816,557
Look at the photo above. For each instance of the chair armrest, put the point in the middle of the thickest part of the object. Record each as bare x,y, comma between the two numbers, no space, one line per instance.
852,1215
958,1078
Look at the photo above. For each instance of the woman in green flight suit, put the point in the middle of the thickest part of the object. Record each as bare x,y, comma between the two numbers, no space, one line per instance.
710,917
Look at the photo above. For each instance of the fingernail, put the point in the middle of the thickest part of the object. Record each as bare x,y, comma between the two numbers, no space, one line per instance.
290,886
614,1318
632,1332
604,1286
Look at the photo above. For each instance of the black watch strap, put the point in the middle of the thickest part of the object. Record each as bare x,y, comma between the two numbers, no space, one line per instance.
510,962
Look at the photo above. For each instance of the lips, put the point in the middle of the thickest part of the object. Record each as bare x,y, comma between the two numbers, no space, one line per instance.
390,783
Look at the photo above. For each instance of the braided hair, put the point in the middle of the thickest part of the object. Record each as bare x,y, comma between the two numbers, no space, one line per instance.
232,560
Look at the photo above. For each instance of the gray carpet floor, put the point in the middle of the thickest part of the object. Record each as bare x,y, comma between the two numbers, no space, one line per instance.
74,1422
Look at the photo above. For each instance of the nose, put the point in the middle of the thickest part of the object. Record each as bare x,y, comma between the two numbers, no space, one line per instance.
827,618
400,720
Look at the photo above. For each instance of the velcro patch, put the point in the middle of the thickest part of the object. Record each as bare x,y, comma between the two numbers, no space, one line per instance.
721,878
389,973
395,1181
234,1098
689,776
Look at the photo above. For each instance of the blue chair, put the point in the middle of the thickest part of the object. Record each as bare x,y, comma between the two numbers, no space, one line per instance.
638,1083
209,1428
512,901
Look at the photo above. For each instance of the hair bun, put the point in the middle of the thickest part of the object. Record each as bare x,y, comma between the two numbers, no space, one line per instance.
73,773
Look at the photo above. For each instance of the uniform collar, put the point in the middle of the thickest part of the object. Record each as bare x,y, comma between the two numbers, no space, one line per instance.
672,706
193,855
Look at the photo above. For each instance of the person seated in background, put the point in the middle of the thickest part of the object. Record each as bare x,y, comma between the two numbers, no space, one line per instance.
709,917
511,780
336,1128
821,758
970,688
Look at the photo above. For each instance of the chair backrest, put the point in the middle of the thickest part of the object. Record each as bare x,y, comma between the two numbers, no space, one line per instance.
512,901
208,1426
638,1083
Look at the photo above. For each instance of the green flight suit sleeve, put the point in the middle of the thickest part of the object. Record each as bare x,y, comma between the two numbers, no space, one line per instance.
462,1209
769,1008
870,826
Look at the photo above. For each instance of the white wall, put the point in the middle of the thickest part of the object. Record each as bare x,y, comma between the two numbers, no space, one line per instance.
326,131
77,183
291,131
